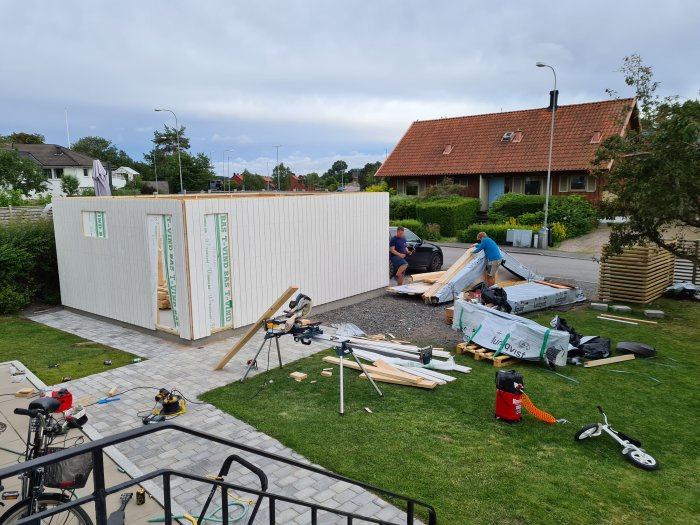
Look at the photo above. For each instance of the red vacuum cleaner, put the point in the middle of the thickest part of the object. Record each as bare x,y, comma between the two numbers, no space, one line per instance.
509,395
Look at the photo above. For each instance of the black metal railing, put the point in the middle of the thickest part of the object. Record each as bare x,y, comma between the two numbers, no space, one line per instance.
100,491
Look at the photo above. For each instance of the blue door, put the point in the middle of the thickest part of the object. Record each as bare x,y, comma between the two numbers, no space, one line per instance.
497,186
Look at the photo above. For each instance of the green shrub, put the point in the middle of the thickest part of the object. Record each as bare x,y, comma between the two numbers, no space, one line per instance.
87,192
432,232
558,231
530,219
444,189
413,225
70,185
575,212
514,205
11,198
496,231
452,214
377,188
28,267
402,207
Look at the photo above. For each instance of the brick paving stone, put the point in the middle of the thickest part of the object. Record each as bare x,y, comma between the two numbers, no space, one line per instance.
189,369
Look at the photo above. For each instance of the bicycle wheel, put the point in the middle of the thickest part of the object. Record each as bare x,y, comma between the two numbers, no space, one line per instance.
74,516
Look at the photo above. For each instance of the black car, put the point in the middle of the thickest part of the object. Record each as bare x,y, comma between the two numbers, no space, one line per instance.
426,255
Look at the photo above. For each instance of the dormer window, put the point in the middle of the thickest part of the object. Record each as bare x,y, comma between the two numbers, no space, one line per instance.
507,136
595,138
448,149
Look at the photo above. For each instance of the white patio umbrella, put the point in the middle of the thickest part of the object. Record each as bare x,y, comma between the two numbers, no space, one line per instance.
100,179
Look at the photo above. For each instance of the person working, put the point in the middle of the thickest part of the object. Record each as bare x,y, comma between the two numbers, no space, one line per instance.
398,252
493,256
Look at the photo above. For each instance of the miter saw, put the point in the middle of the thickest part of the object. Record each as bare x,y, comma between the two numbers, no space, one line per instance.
292,322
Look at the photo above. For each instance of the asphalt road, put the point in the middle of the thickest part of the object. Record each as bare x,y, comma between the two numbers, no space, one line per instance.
567,267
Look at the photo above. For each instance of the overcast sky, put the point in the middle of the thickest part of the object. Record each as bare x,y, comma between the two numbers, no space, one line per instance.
324,79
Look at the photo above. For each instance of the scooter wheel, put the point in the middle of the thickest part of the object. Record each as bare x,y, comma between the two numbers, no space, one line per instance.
639,458
587,431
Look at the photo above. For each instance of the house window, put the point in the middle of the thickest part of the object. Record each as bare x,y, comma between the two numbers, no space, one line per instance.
533,187
578,183
590,183
411,187
47,173
94,224
85,172
517,185
57,173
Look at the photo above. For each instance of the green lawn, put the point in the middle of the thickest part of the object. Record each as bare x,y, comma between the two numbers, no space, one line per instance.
37,346
445,448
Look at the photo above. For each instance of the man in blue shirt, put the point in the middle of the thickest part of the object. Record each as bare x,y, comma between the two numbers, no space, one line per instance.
493,256
398,252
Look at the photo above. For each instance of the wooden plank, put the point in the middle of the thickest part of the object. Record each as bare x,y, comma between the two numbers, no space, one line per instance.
385,379
628,318
256,326
609,360
425,277
616,320
447,276
555,285
395,374
298,376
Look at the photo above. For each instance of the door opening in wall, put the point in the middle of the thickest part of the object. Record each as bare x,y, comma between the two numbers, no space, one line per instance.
163,282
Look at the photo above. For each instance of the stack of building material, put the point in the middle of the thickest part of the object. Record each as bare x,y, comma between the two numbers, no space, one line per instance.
538,295
638,275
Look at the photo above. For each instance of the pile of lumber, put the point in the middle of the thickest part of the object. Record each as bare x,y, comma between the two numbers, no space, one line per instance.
637,275
428,278
382,371
430,295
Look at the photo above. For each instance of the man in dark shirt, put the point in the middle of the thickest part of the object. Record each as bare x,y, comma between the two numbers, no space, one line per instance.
398,252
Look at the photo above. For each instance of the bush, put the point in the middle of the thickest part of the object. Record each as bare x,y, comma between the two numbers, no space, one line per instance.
413,225
514,205
496,231
452,214
432,232
28,267
70,185
558,231
446,188
575,212
87,192
530,219
11,198
402,207
376,188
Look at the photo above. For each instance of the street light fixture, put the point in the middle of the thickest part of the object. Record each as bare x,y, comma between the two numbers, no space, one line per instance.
278,166
553,108
223,167
177,138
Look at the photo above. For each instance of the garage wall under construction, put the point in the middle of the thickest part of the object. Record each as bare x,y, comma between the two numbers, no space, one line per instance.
198,264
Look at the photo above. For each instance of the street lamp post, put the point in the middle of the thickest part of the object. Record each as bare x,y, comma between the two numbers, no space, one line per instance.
553,108
278,167
223,168
177,138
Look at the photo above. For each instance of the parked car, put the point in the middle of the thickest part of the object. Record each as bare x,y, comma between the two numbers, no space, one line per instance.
426,255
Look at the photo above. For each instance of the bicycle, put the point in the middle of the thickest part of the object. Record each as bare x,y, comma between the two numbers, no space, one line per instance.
68,475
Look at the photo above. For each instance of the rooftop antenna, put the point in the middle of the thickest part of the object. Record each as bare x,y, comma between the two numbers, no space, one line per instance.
67,129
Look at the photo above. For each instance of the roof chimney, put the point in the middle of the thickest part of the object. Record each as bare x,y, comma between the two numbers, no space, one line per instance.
553,100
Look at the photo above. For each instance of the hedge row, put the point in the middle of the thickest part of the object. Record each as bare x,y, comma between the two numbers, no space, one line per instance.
402,207
415,226
28,267
574,212
496,231
451,214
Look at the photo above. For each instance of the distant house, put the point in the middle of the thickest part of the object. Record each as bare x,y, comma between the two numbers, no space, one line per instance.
58,162
125,174
508,152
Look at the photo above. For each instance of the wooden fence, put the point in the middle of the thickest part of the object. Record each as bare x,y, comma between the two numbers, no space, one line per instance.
687,271
31,213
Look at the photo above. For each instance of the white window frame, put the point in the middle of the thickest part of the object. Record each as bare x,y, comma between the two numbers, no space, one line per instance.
571,181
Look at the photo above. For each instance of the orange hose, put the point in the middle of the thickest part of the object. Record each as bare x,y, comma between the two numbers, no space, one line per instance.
536,412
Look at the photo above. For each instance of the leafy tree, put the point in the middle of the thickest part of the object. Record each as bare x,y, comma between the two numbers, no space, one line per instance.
20,137
104,150
196,172
367,174
654,179
166,141
253,181
285,176
21,173
313,180
70,185
381,187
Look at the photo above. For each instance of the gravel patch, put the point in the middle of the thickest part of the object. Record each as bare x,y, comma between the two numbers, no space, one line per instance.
407,318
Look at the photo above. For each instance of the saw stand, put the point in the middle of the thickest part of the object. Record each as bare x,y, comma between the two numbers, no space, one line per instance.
343,350
268,335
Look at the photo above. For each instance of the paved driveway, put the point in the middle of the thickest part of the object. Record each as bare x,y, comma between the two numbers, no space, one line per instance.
189,369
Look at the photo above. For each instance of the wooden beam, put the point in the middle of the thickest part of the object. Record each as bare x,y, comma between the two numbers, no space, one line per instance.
424,383
394,374
616,320
256,326
609,360
622,317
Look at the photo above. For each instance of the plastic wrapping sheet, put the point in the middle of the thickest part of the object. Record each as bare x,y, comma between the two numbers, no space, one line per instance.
506,333
529,297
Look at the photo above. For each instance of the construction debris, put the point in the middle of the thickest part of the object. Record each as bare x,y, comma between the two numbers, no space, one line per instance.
621,308
327,373
298,376
654,314
616,320
609,360
610,316
481,353
603,307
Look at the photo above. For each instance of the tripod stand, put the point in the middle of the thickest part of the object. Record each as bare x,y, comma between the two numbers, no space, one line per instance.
268,335
342,350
